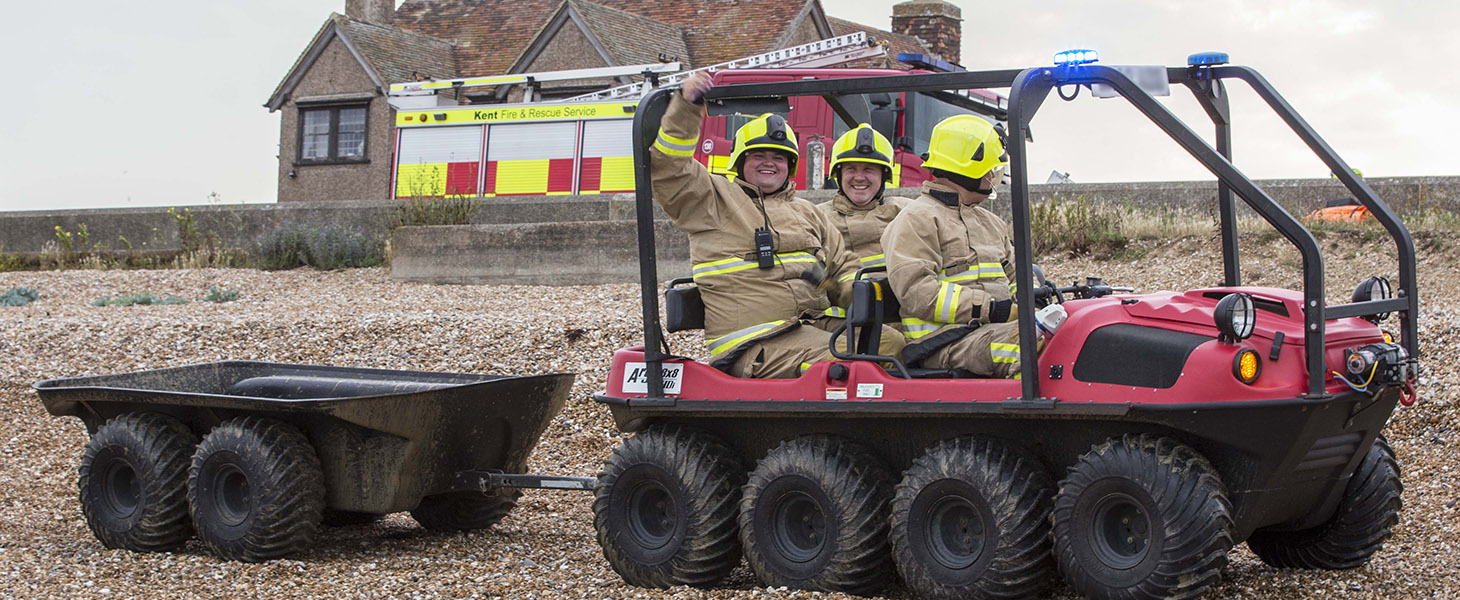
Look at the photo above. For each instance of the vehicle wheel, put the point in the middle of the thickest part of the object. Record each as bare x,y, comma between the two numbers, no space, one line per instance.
1142,517
971,520
1369,508
134,483
346,518
665,508
813,516
256,490
465,511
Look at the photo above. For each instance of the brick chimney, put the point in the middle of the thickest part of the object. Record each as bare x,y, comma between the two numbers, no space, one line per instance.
379,12
937,23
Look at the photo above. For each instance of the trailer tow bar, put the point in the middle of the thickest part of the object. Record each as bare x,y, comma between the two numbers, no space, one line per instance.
486,481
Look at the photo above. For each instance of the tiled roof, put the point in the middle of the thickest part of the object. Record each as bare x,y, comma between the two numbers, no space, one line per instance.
896,43
721,30
489,34
464,38
397,54
632,39
390,55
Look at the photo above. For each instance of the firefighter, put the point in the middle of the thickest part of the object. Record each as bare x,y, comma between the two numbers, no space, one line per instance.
950,261
767,263
861,165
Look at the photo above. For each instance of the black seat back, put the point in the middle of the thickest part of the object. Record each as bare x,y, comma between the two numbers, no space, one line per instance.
872,299
683,308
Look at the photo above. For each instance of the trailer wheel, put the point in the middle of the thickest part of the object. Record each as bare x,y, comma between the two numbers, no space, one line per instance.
134,483
971,520
665,508
256,490
814,516
1142,517
465,511
1369,508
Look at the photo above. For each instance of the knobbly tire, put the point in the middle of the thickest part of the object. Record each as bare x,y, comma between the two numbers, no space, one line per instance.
1142,517
970,519
665,508
465,511
134,483
256,490
1368,510
813,516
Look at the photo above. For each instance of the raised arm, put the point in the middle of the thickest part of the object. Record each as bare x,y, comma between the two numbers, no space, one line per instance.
682,186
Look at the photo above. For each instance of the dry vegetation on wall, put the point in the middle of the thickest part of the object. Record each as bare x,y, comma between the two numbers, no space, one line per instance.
1062,227
545,548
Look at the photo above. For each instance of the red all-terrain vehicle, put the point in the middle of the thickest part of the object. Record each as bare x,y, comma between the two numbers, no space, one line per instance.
1153,433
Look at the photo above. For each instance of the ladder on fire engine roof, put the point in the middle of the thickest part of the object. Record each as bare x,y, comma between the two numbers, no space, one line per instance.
421,88
821,53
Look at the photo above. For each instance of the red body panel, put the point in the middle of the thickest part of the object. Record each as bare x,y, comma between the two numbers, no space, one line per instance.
590,174
560,176
1208,375
461,179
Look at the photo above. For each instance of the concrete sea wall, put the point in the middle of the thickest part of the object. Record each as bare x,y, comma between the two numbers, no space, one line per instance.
589,239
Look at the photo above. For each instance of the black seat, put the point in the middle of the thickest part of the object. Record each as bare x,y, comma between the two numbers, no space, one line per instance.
874,304
683,308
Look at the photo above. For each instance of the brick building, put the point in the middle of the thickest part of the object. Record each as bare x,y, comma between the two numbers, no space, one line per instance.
337,127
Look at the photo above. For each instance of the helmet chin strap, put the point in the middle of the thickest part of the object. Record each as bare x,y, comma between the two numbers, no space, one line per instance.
965,182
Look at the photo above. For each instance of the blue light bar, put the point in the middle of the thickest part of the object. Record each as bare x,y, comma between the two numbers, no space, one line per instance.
1076,57
1207,59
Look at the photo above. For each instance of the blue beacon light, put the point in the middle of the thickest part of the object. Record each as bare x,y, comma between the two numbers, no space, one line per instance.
1207,59
1070,58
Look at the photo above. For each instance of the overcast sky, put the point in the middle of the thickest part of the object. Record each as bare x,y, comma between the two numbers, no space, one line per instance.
160,103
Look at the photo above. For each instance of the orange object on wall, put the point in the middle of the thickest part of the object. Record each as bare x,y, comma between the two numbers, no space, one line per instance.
1340,213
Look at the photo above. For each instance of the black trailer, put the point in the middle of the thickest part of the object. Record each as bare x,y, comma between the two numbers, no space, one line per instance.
253,456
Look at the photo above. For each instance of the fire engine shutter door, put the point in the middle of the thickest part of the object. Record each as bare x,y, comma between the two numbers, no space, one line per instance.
531,159
438,161
608,157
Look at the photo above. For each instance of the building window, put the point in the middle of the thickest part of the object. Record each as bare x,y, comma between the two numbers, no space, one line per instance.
332,134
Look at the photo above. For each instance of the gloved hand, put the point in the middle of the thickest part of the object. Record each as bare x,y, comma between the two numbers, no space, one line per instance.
816,275
1003,311
695,87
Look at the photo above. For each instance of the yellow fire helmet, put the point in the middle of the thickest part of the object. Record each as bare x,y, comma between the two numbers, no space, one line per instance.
966,146
768,131
862,144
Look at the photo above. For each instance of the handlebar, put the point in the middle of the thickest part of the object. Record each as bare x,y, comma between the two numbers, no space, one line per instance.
1093,287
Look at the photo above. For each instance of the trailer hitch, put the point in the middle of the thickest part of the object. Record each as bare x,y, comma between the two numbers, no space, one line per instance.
486,481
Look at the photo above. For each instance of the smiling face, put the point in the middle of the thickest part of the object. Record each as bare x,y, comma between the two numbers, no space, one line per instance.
766,169
861,181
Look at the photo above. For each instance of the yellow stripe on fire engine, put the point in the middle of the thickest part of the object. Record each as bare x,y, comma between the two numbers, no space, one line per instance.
522,177
617,173
504,114
420,180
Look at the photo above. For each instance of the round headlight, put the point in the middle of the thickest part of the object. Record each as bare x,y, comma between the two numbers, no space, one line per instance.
1235,317
1374,288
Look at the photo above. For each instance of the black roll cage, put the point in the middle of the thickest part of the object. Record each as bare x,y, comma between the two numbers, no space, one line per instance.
1029,88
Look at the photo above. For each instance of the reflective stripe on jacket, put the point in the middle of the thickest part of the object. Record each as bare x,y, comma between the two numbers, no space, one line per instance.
721,217
946,264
